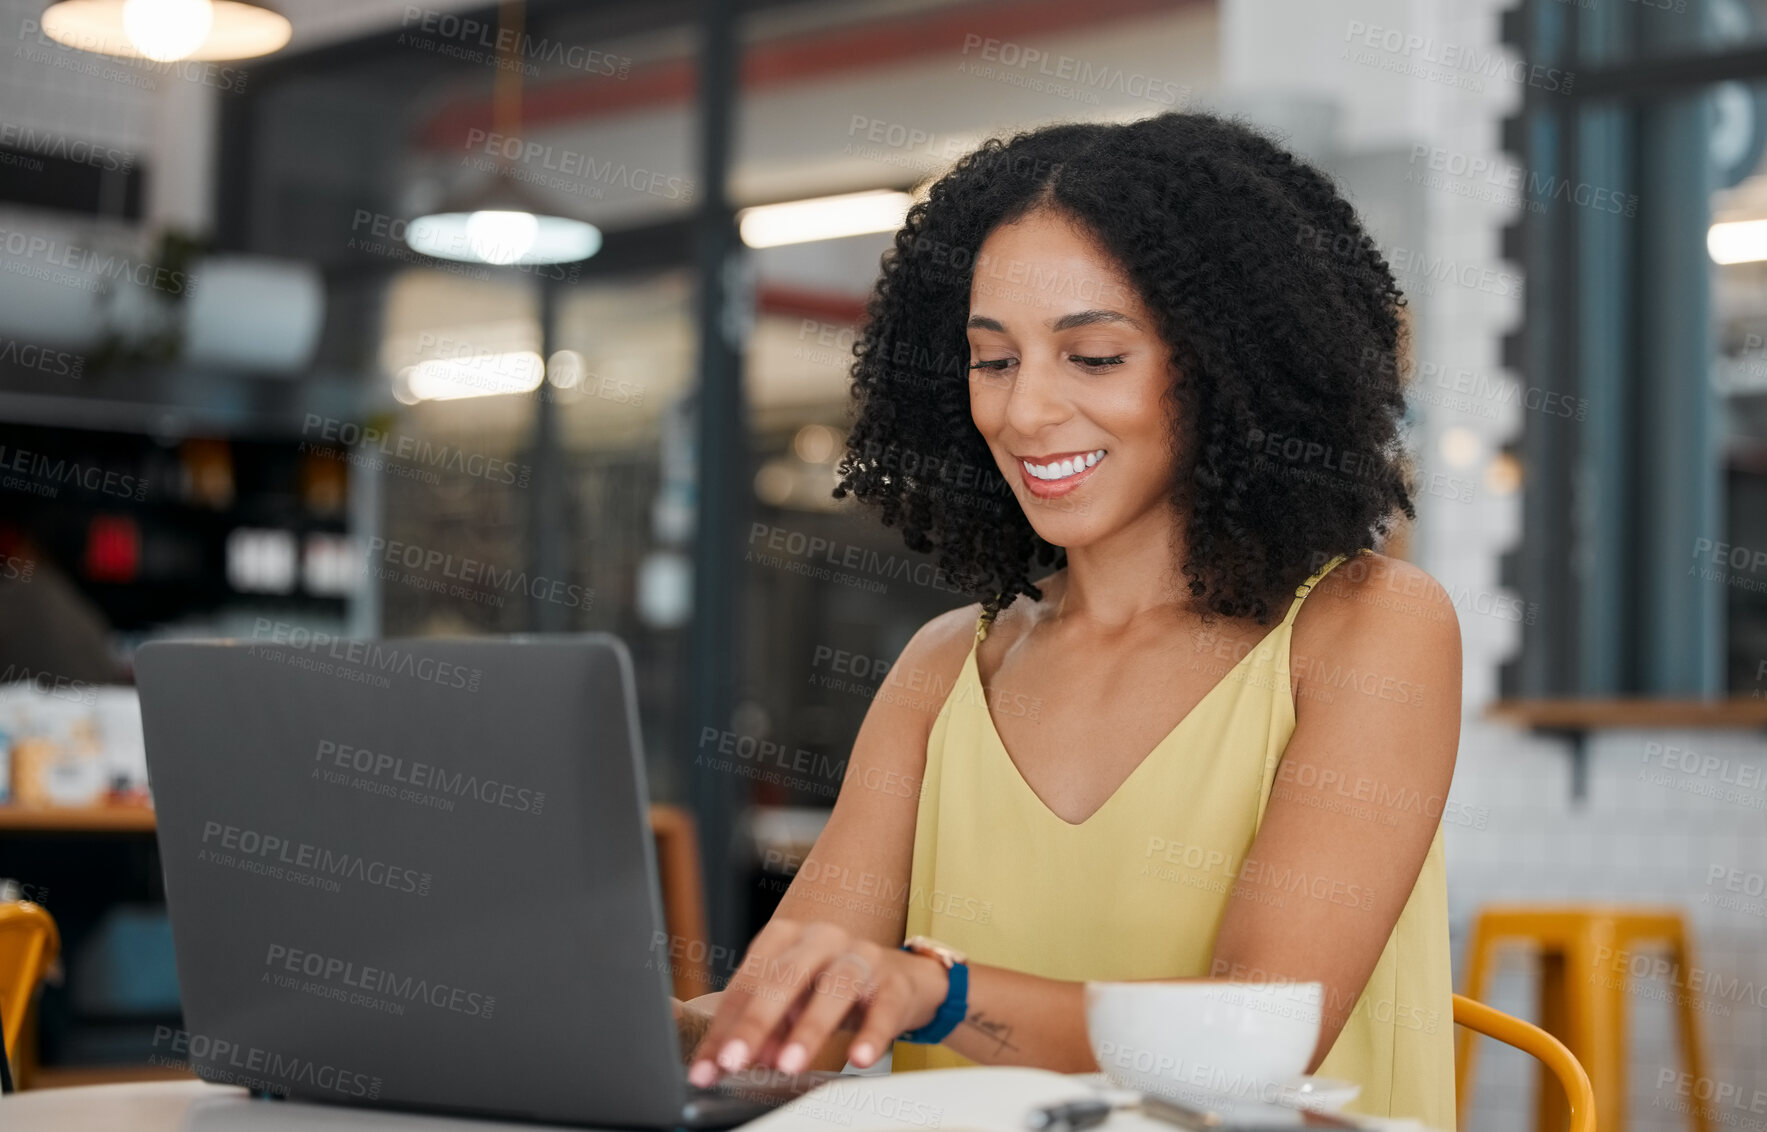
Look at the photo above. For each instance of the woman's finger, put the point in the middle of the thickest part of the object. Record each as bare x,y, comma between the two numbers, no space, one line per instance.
702,1068
780,986
885,1017
772,1044
846,983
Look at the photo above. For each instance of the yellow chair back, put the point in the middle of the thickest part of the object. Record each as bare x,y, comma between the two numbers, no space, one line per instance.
1531,1039
29,944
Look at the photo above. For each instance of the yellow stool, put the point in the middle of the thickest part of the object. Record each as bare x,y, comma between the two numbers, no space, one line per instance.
1587,952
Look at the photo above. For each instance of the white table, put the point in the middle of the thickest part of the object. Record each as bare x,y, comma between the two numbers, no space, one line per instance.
197,1106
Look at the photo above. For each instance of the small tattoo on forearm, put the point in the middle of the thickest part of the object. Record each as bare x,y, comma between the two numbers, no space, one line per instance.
1000,1031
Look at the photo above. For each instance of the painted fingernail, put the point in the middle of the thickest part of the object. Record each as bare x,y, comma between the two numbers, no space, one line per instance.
703,1073
862,1054
734,1055
791,1058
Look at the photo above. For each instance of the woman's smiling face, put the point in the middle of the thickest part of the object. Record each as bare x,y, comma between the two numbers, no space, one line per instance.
1067,381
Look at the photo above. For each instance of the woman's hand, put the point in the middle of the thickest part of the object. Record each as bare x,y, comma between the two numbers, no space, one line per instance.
799,982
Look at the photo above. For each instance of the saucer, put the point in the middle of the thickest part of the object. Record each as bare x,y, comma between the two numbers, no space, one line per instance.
1321,1094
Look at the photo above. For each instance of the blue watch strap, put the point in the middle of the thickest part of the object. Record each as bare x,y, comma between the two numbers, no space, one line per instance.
950,1012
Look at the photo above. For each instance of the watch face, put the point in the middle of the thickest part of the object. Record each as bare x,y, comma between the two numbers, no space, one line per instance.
944,953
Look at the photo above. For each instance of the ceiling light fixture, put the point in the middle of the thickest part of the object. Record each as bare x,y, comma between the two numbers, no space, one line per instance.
168,31
503,223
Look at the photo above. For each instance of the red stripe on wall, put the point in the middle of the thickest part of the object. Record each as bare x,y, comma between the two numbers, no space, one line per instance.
799,58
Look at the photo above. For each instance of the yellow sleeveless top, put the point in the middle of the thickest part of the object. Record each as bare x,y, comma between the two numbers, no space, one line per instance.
1138,889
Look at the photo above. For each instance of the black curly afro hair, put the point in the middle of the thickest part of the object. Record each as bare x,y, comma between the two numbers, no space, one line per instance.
1284,323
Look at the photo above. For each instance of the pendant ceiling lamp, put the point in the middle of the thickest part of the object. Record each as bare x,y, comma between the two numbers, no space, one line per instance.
503,223
167,30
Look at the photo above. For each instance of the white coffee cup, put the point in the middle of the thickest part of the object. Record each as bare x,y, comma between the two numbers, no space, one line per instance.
1193,1041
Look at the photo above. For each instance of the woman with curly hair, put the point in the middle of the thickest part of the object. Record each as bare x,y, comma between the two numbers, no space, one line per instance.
1155,364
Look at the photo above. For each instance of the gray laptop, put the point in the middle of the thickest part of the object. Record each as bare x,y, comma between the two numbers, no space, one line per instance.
419,874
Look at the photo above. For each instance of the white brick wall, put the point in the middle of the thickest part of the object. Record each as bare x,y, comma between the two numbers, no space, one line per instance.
1633,840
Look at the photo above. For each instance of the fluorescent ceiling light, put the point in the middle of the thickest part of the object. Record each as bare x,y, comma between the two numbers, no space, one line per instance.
167,30
823,218
1737,241
479,375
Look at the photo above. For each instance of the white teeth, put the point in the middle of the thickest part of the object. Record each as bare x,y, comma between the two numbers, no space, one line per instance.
1065,468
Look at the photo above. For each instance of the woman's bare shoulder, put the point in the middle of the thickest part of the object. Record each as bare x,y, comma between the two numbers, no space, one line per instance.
1375,580
1376,597
944,640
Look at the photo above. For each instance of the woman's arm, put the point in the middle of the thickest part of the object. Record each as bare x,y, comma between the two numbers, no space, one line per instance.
822,983
1393,729
856,875
1376,662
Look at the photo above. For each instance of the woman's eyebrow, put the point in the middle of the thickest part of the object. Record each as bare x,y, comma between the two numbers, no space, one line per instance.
1091,318
1064,322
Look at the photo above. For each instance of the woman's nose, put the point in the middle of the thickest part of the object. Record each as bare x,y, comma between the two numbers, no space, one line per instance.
1036,399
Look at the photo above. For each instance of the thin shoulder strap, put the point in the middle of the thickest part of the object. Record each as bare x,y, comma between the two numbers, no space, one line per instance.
1306,587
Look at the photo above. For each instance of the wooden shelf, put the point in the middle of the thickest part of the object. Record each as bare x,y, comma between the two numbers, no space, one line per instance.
59,1077
1594,715
1574,719
76,819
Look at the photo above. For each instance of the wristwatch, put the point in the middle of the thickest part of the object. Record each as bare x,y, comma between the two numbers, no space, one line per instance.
956,1003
